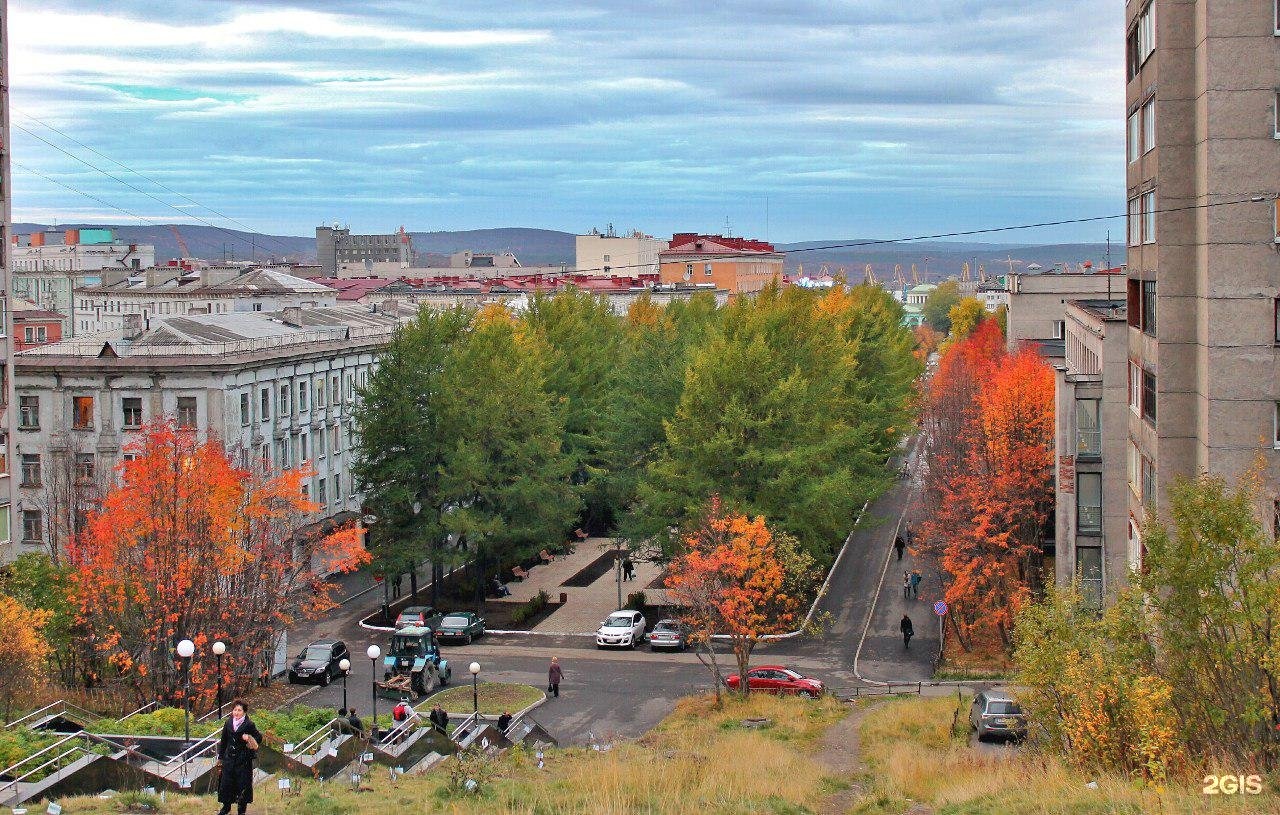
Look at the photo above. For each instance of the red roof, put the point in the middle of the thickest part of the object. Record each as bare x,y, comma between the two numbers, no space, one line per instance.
353,288
688,241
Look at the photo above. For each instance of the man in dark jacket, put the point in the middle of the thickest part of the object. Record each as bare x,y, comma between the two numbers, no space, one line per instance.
439,719
355,721
504,721
908,631
237,748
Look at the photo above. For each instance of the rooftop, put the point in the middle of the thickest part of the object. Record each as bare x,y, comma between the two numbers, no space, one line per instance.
1103,308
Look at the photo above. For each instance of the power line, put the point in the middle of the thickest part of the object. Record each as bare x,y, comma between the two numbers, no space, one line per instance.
159,184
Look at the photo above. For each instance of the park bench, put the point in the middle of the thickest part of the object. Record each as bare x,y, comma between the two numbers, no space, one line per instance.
546,556
520,573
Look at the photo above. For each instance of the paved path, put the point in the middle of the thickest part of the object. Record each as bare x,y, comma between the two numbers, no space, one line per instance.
588,605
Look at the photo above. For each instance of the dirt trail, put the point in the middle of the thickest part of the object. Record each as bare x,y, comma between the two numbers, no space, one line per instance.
840,752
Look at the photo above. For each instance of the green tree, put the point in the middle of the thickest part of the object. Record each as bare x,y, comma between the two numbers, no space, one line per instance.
401,450
1002,318
965,316
38,583
504,478
937,306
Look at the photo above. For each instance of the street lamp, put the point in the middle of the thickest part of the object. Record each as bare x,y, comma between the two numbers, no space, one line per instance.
617,568
345,667
373,653
219,648
186,650
475,687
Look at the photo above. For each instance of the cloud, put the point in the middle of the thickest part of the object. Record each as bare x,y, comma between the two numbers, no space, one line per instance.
849,116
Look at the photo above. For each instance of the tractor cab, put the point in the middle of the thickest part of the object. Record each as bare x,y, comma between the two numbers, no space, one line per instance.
413,653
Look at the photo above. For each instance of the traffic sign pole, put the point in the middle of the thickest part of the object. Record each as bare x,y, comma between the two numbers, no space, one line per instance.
940,608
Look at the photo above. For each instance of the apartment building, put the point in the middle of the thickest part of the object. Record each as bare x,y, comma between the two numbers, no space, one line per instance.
606,253
1090,442
737,265
337,248
276,388
1038,303
1203,152
32,325
6,289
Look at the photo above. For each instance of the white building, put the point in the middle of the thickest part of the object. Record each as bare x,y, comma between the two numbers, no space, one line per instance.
275,388
609,254
169,291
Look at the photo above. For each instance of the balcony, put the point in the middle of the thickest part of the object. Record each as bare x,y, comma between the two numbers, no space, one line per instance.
1089,443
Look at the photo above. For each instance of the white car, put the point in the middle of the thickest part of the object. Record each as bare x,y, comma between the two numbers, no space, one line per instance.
623,629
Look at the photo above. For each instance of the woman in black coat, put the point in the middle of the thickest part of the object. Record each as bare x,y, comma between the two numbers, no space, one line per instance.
237,748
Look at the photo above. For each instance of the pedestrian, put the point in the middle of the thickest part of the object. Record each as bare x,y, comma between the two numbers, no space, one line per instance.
906,586
237,748
439,719
898,545
398,713
554,674
908,631
395,587
916,577
504,721
356,723
628,569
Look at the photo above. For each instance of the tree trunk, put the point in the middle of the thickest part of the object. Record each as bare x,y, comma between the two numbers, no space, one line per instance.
742,652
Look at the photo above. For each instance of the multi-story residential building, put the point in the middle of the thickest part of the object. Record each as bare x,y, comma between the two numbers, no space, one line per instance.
172,291
33,326
275,388
6,291
49,266
1090,442
1203,171
1038,303
609,254
337,248
737,265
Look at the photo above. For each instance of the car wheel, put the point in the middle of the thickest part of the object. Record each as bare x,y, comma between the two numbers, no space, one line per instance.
325,679
293,678
467,641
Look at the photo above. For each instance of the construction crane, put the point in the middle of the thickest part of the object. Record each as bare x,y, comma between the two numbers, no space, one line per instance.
898,277
964,272
982,273
182,245
799,270
841,276
824,270
915,276
870,275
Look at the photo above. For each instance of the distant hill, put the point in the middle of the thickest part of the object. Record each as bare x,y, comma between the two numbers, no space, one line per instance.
546,247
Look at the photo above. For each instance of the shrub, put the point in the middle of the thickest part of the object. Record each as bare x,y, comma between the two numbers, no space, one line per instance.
637,601
134,801
530,609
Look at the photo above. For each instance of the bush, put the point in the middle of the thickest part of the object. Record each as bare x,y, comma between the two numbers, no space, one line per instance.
530,609
134,801
164,721
637,601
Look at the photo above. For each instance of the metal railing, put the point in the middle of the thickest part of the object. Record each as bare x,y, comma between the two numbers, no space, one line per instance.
147,708
216,713
400,730
17,774
58,708
318,737
196,750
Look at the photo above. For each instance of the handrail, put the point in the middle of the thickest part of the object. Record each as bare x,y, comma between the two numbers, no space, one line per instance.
316,738
212,740
215,713
33,714
13,785
144,709
401,729
14,768
465,725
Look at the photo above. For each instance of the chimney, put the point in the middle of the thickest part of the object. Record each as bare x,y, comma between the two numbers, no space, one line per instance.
292,316
37,239
132,326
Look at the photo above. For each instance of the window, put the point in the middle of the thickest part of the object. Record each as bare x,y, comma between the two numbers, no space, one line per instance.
1135,387
706,269
1135,221
186,411
132,409
282,452
306,492
1089,502
688,270
319,400
246,412
1276,430
1149,125
322,494
285,407
1089,572
322,443
32,526
337,487
1148,314
1088,428
29,412
335,440
1149,217
30,469
82,412
84,466
303,387
333,391
302,447
264,404
1276,205
1135,468
1148,481
1135,136
1276,108
1059,329
1149,396
4,524
35,333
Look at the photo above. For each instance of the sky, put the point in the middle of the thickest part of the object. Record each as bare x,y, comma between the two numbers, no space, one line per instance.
790,121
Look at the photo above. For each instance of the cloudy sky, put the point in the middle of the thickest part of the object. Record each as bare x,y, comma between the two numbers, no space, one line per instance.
799,120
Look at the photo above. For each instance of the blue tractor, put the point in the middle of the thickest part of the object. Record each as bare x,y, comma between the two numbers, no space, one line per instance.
413,653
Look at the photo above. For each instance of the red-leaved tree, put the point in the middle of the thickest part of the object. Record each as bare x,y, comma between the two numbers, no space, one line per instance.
187,545
989,483
731,581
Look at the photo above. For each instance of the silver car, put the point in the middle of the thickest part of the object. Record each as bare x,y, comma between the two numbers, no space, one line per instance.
668,634
996,714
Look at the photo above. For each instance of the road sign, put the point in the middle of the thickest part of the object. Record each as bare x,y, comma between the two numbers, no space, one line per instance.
940,608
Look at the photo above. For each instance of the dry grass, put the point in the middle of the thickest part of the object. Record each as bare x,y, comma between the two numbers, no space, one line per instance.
913,758
698,760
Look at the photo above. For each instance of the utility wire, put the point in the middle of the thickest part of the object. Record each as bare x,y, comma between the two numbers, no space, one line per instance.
162,186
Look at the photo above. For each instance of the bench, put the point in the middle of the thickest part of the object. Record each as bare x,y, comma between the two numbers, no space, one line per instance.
579,534
546,556
520,573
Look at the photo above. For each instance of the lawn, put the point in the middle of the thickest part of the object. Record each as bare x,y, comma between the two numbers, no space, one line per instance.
914,758
699,759
495,697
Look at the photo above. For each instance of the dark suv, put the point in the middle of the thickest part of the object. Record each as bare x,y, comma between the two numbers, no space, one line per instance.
319,662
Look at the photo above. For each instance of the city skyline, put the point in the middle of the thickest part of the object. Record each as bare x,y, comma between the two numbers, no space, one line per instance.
867,119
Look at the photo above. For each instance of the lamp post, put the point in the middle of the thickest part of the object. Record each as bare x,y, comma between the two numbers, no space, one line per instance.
345,667
373,653
475,687
219,648
186,650
617,568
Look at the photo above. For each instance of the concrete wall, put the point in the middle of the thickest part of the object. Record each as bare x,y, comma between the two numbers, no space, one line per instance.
1037,301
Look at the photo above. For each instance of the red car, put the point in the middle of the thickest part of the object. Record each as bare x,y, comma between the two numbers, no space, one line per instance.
779,679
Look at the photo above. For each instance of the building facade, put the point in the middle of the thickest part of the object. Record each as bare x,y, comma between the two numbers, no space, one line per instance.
736,265
1203,170
48,267
336,245
1038,303
608,254
1090,440
33,326
6,291
276,389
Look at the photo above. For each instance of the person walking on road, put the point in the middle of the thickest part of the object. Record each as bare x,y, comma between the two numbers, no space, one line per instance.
898,545
906,586
908,631
916,577
237,749
628,570
554,674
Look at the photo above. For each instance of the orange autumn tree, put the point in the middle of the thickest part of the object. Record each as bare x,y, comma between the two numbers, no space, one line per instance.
989,484
731,580
187,545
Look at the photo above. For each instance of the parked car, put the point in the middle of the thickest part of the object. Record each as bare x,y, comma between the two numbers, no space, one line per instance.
669,634
996,714
623,629
780,680
319,662
460,625
421,616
